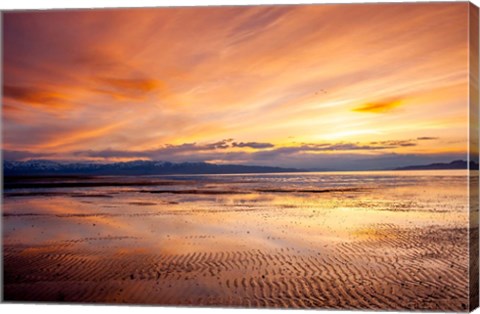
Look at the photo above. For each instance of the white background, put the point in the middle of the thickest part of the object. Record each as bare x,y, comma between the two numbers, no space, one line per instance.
77,309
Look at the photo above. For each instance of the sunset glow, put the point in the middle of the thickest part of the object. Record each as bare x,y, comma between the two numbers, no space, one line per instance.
316,86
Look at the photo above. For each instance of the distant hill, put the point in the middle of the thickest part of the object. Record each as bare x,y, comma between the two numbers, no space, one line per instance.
456,164
140,167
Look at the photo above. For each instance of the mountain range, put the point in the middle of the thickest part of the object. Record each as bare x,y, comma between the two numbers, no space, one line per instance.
142,167
138,167
456,164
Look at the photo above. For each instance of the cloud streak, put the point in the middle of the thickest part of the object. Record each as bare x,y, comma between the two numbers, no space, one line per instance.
427,138
23,155
378,107
229,148
128,89
36,96
252,145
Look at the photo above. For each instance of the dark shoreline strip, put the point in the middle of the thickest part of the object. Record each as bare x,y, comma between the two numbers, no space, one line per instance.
186,192
46,185
310,190
79,195
199,192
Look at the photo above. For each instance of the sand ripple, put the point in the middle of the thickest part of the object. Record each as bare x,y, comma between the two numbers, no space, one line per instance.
389,268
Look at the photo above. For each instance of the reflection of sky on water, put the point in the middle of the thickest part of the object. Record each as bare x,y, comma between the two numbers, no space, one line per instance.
178,223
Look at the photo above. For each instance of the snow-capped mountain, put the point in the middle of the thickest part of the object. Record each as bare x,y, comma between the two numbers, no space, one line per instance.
137,167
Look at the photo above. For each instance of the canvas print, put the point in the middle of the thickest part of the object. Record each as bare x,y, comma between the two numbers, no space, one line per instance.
268,156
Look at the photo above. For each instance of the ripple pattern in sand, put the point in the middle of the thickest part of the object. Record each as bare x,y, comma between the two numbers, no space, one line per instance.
386,270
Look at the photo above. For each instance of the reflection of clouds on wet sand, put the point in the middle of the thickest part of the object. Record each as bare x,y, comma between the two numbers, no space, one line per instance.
299,249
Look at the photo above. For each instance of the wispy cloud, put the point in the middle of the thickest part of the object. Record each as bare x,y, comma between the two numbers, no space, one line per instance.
23,155
378,107
427,138
228,149
397,143
36,96
128,88
253,145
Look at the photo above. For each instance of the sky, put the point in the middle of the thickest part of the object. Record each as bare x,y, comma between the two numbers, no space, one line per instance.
357,86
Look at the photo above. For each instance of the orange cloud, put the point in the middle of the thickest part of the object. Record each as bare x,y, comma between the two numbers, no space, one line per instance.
378,107
36,96
76,137
121,88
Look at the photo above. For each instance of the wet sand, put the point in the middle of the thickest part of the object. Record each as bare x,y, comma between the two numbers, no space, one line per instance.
395,242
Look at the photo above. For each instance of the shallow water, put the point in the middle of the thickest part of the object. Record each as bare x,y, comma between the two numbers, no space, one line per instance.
263,240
